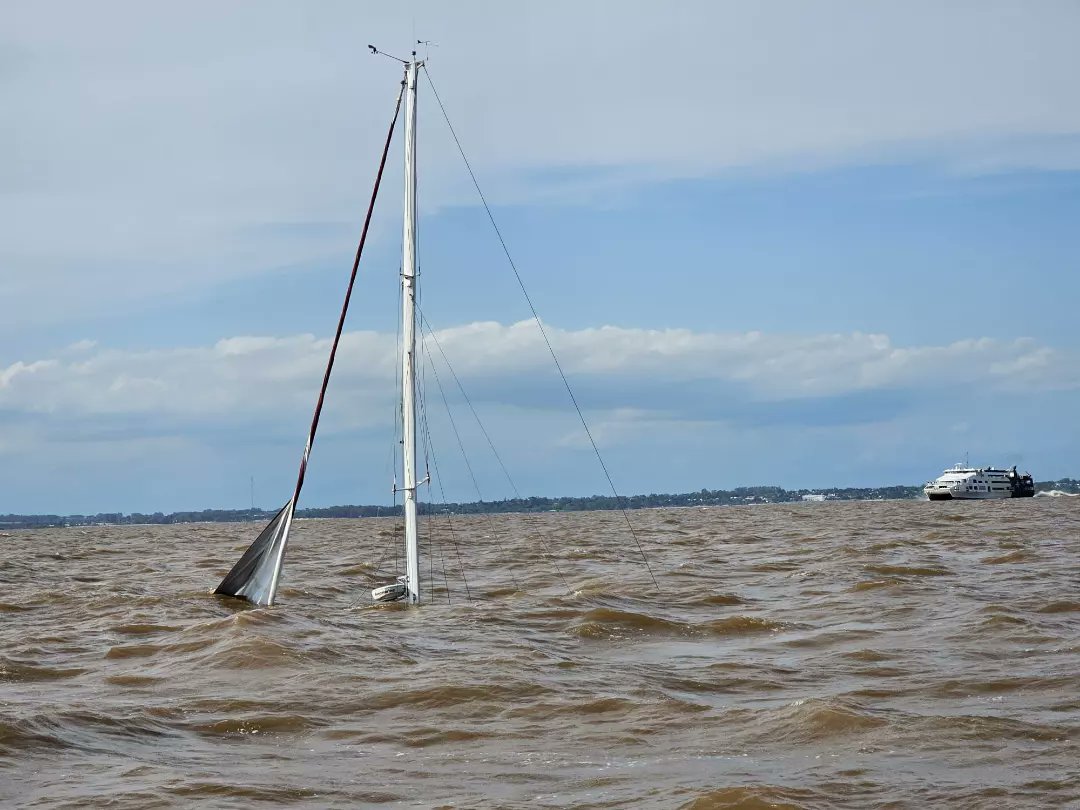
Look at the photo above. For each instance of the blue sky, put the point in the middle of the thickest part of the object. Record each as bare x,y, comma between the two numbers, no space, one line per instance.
830,249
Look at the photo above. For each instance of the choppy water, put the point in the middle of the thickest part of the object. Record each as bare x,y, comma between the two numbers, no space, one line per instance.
900,654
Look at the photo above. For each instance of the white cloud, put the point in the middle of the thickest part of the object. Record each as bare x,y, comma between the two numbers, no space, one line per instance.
160,148
632,374
187,427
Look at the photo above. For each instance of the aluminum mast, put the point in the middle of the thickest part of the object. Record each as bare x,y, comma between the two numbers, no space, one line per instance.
408,354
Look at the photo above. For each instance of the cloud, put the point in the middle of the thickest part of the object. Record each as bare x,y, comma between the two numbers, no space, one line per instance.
102,428
628,374
164,148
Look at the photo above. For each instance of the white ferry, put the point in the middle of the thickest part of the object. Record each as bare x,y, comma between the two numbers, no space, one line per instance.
979,483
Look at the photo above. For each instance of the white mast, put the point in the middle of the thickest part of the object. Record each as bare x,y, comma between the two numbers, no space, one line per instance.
408,354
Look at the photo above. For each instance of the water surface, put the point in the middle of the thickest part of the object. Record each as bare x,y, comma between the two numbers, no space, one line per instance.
891,654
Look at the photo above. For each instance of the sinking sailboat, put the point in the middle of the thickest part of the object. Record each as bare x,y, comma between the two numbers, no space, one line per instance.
256,576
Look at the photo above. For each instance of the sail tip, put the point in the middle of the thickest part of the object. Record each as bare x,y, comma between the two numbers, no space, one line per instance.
254,577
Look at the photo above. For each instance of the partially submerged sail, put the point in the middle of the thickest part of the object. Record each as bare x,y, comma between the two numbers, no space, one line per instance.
255,576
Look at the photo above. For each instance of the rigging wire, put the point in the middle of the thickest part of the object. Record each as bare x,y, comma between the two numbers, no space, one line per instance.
431,330
344,309
551,350
428,446
430,550
442,563
419,394
449,520
429,451
468,465
465,457
426,324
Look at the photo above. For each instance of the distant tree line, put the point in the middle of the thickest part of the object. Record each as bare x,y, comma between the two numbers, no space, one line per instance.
704,497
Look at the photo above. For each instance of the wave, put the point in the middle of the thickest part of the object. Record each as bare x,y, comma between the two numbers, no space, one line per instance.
257,724
611,623
814,720
1060,606
719,599
20,672
1019,555
754,797
910,570
875,584
741,625
606,622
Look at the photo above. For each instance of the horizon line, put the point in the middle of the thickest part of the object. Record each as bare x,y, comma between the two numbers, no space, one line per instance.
623,501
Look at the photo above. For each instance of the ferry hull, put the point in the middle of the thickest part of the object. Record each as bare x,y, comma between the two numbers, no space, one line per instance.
981,496
980,484
939,496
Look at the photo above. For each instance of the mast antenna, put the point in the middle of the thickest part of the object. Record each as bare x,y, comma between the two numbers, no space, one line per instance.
428,45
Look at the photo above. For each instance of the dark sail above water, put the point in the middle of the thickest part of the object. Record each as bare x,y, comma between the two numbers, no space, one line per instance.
254,575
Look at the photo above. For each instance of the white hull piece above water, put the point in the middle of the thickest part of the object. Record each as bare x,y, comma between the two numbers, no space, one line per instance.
979,484
389,593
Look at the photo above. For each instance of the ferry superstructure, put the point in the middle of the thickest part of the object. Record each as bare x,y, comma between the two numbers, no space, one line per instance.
979,483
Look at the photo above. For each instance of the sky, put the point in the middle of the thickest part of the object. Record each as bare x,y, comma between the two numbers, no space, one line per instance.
810,245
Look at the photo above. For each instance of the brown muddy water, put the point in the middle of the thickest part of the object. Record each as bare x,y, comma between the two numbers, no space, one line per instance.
896,654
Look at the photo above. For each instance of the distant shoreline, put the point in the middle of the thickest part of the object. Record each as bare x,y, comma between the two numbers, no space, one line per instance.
704,497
